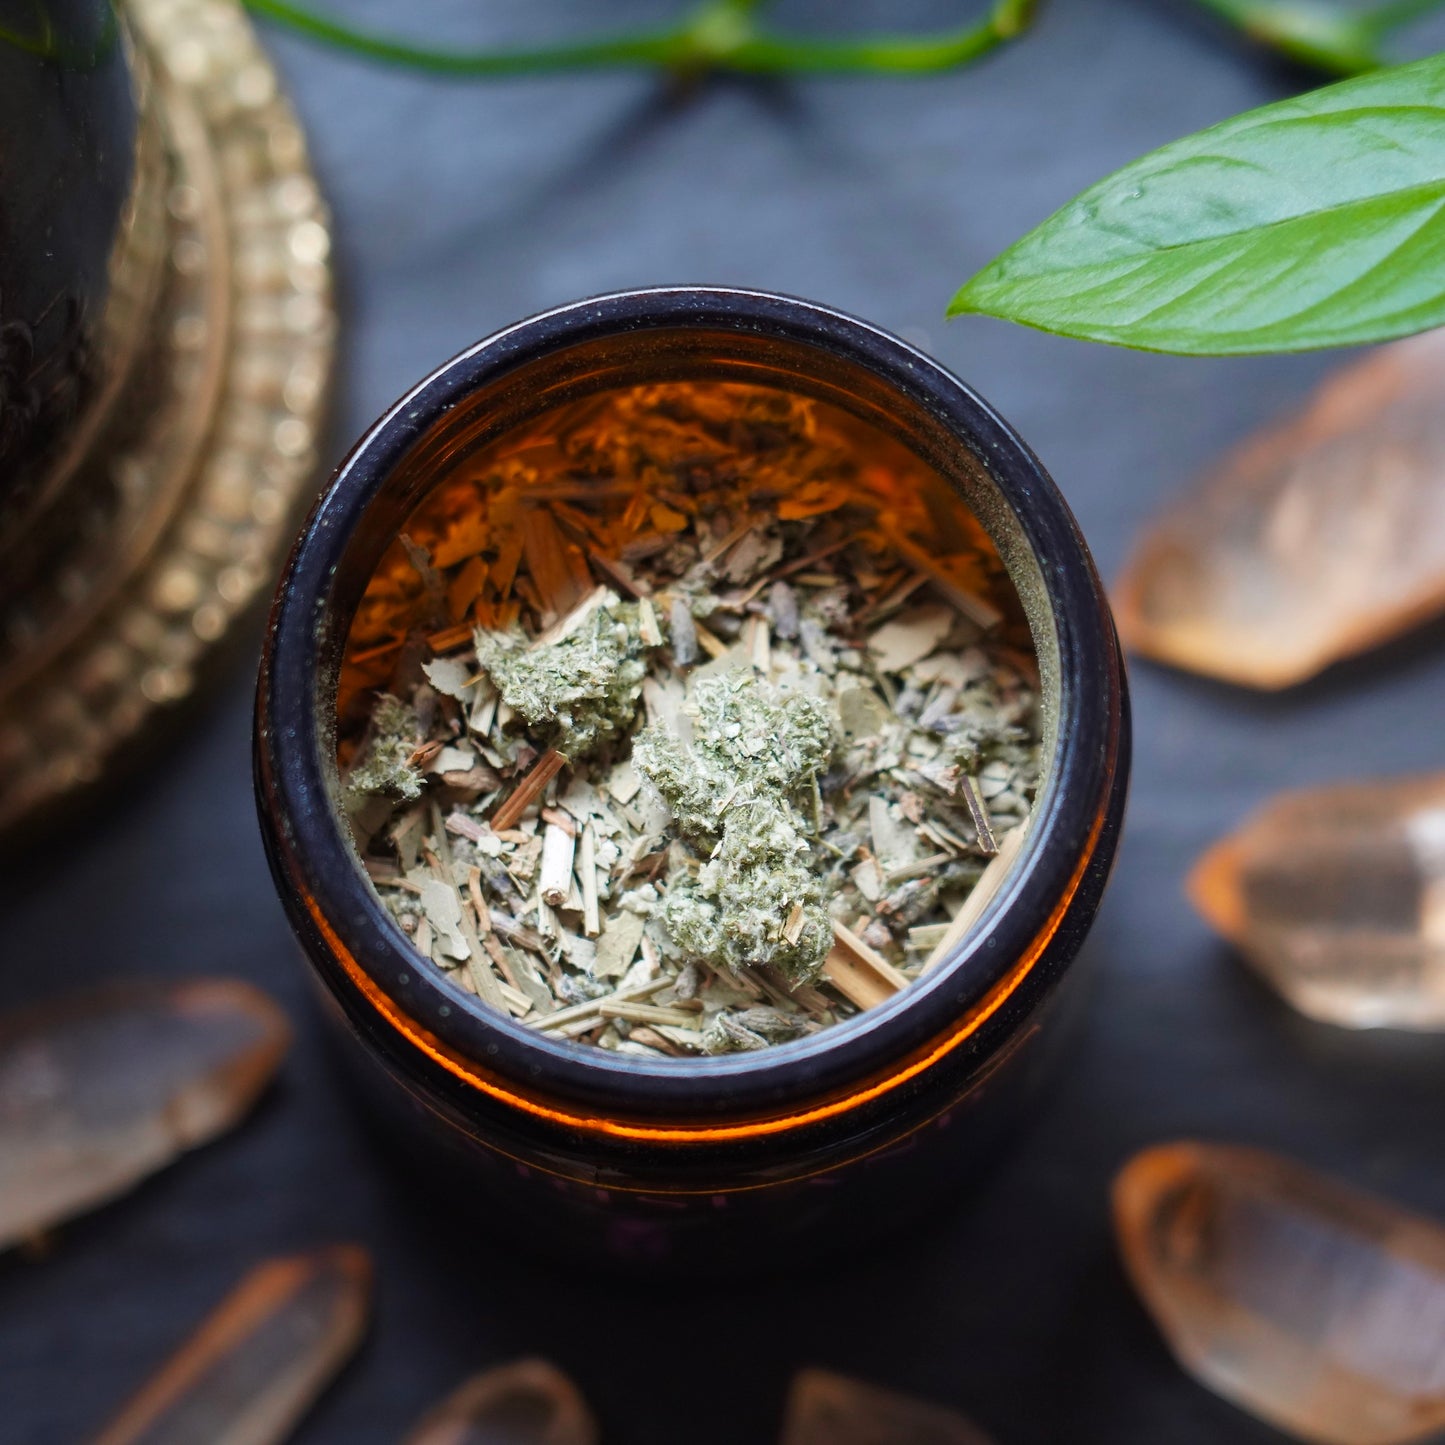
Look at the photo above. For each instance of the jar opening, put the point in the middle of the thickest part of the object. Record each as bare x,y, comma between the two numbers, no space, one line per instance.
964,475
687,718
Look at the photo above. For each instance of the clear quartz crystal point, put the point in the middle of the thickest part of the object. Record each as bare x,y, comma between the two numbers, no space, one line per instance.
529,1402
100,1089
256,1365
828,1409
1337,896
1319,537
1313,1306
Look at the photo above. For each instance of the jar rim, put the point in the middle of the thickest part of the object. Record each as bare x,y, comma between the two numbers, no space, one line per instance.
332,903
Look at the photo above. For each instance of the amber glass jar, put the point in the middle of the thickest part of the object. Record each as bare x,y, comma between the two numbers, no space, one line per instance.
799,1145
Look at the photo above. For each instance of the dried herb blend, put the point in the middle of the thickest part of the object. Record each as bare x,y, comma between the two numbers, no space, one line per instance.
688,720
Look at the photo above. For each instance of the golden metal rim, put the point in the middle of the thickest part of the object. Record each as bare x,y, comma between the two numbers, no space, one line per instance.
239,373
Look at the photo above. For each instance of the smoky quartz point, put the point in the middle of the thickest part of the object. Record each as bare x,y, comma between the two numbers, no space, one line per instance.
1318,538
529,1402
102,1088
257,1364
1318,1308
1336,896
828,1409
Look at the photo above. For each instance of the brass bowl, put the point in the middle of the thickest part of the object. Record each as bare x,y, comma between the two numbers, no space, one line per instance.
166,340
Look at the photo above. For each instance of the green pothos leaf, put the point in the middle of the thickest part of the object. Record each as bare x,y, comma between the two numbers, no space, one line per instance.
1313,222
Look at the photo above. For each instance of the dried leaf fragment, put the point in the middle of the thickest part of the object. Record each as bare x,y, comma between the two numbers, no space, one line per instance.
443,909
910,637
100,1089
617,946
449,676
258,1363
1318,538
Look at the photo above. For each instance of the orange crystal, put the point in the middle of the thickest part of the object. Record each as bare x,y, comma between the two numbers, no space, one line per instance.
1315,1307
828,1409
1316,539
100,1089
1337,896
258,1363
529,1402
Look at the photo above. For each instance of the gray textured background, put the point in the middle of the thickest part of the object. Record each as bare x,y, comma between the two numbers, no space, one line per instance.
463,206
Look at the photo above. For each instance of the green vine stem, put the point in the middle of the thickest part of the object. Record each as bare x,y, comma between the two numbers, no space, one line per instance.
1329,37
721,35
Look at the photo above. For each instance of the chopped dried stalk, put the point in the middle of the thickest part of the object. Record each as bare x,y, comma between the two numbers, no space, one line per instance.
710,643
587,872
978,811
647,627
554,880
560,819
793,928
974,607
528,790
592,1007
988,884
643,1013
483,980
858,972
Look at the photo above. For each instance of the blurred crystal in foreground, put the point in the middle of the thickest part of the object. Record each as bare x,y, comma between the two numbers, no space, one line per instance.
1337,896
99,1089
828,1409
1318,538
526,1403
255,1366
1319,1309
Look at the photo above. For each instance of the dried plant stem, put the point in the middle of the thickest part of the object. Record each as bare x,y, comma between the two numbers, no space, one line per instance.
858,972
528,790
973,906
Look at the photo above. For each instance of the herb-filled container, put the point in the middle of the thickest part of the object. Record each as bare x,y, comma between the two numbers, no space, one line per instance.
691,745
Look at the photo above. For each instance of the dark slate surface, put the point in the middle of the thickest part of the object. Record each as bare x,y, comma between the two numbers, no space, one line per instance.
461,207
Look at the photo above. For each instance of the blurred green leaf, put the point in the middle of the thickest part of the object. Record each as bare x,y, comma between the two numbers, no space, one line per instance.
1314,222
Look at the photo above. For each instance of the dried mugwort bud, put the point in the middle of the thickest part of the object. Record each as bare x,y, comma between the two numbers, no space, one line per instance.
756,899
386,768
583,688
